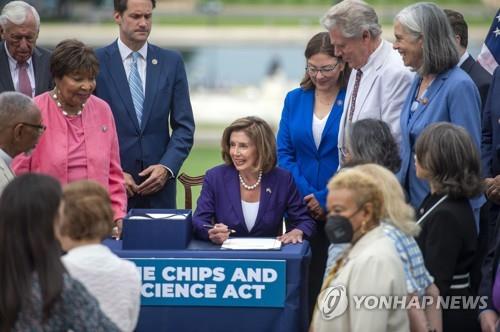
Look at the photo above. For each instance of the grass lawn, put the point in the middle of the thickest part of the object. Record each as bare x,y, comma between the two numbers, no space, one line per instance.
200,159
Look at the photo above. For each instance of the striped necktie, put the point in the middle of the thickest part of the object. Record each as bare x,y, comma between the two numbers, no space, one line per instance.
135,82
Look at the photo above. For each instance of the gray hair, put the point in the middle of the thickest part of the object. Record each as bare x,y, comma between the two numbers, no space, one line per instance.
426,20
371,141
16,12
352,17
13,105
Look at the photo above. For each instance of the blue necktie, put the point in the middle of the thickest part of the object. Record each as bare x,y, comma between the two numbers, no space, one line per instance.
135,83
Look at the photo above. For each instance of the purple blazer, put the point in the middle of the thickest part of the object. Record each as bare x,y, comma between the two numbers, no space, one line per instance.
220,200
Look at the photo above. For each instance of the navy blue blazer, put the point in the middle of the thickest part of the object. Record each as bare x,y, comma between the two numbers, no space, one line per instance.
311,167
166,105
41,66
220,201
479,75
490,140
452,97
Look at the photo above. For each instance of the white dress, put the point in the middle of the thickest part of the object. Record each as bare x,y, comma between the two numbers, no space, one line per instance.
113,281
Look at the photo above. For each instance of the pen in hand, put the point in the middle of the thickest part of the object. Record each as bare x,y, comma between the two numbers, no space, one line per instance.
232,231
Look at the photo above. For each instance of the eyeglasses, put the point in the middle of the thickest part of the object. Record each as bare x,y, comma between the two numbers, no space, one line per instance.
40,128
323,70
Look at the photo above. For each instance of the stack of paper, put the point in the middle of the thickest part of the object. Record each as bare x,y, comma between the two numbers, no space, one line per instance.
173,216
251,243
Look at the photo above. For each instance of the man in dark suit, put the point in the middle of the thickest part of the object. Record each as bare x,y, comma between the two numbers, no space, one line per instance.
147,89
490,155
27,64
478,74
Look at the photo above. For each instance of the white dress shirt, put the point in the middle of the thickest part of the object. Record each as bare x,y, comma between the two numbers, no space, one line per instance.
464,57
14,72
250,211
318,125
113,281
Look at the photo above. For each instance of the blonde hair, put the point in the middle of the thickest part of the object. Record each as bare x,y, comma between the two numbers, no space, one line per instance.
364,188
396,211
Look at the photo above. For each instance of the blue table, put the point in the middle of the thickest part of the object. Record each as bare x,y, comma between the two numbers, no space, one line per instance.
292,317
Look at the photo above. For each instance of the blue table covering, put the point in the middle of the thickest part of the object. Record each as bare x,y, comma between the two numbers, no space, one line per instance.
293,317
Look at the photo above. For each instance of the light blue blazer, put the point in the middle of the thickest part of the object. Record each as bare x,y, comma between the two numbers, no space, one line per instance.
452,97
311,167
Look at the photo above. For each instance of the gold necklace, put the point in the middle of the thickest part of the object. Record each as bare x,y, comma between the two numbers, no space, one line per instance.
55,96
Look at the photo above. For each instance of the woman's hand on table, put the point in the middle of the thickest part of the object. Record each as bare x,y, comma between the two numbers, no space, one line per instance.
219,233
294,236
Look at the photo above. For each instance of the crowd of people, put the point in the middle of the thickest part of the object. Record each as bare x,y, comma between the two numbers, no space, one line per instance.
385,160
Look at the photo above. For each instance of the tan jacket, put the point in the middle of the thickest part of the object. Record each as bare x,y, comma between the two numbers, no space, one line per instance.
6,174
373,268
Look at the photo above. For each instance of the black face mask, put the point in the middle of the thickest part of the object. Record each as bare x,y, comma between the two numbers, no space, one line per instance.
338,229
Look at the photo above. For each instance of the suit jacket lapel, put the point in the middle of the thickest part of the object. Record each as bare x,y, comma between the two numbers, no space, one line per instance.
117,71
334,116
153,73
6,83
467,65
429,95
37,69
308,116
363,92
232,189
266,191
368,81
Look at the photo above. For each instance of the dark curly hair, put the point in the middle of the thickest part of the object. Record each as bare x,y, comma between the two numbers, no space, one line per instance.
371,141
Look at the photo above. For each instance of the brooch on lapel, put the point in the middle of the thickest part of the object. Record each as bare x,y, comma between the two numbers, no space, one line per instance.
268,190
104,128
423,101
154,62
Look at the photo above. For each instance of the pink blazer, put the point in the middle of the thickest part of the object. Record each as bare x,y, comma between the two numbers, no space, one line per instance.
50,156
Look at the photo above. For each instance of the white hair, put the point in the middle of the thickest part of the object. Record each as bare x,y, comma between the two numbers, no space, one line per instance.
13,105
16,12
352,17
427,21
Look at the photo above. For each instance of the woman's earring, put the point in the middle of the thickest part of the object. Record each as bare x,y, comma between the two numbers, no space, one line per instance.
363,226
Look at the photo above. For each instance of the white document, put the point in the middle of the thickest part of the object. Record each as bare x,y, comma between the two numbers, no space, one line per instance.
251,243
138,217
160,216
167,216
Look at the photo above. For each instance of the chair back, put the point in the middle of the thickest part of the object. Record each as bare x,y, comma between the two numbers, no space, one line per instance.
188,182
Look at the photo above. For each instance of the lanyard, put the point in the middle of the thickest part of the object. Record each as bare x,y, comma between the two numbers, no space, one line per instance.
431,209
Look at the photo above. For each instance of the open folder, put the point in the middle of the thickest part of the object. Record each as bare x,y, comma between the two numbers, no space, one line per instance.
251,243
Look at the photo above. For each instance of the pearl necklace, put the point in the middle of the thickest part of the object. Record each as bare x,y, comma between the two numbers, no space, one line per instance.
252,187
55,95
